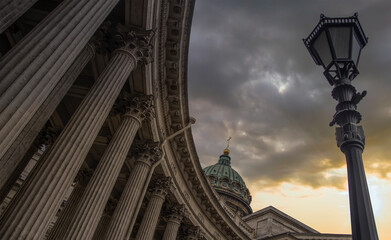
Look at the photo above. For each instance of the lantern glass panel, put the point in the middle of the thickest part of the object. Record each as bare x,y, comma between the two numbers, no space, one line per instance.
340,38
322,48
356,47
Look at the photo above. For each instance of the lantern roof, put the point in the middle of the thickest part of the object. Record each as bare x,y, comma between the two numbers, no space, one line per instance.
326,22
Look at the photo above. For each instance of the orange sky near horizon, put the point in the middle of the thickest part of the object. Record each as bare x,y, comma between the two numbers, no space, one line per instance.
325,209
251,78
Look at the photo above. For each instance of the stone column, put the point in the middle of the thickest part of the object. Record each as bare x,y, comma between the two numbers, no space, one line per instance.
65,217
146,155
32,68
37,202
13,158
11,10
174,221
98,191
160,189
105,219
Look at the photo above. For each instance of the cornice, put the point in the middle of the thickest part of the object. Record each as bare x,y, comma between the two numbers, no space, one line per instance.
173,115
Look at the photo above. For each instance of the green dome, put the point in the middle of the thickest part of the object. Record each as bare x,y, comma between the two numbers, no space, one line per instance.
227,181
222,170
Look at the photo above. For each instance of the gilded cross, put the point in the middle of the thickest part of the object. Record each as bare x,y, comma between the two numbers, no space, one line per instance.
229,139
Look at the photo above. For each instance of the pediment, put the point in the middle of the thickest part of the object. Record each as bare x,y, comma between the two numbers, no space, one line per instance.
270,221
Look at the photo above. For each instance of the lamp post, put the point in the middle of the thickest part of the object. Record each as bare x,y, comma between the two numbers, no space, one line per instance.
336,43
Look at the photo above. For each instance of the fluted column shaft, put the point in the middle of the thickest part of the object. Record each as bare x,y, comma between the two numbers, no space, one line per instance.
175,216
13,176
171,228
66,214
102,227
65,217
99,189
160,188
38,200
31,69
12,163
11,10
151,217
126,208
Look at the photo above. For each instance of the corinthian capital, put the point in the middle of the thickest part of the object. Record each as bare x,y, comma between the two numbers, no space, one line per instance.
136,42
48,136
176,213
99,41
161,186
83,176
139,107
110,206
194,233
148,153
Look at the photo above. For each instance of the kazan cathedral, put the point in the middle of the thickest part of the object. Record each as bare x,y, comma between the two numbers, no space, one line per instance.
267,223
95,130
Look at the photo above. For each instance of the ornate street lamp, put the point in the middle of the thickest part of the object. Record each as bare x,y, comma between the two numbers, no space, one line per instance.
336,43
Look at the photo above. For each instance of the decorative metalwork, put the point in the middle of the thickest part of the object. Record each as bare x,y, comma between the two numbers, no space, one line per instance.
339,53
340,66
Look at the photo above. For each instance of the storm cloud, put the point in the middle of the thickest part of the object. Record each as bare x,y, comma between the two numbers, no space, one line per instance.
250,77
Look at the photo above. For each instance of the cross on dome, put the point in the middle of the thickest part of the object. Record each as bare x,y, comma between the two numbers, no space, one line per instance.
226,150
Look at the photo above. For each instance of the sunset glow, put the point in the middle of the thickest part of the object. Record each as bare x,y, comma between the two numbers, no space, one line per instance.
250,77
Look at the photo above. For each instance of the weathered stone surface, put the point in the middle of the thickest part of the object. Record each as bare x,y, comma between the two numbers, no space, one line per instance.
11,10
37,202
32,68
13,158
120,225
98,191
160,188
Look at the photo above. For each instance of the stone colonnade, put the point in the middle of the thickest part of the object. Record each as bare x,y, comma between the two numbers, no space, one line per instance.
35,76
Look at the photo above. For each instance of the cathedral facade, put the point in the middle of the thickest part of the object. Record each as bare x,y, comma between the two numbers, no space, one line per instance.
95,135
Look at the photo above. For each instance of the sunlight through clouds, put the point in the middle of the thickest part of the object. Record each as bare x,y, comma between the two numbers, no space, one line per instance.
257,83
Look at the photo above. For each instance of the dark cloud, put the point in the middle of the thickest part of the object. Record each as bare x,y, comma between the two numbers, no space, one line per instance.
251,77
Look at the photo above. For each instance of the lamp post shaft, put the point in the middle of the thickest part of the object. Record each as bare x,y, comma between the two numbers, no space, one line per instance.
351,140
361,214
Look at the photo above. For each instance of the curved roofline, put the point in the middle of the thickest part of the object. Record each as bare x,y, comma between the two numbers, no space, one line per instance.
172,108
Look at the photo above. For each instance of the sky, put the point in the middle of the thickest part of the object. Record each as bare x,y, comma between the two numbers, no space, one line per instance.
251,78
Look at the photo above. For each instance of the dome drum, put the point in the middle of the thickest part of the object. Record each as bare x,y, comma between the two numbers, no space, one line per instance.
229,184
